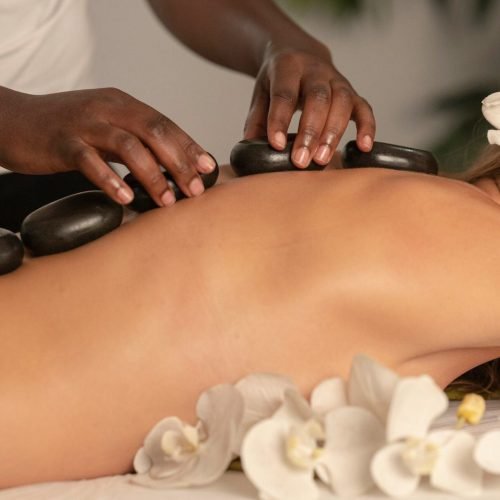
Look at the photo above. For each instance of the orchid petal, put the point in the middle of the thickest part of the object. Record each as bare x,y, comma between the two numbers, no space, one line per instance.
491,109
160,463
262,393
371,385
295,409
455,470
353,435
487,452
221,410
390,473
142,462
265,464
416,402
329,395
494,137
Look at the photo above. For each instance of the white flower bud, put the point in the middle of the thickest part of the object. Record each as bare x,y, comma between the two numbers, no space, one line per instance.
471,409
491,111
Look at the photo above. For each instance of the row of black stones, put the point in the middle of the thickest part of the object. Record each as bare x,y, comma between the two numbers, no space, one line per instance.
80,218
60,226
74,221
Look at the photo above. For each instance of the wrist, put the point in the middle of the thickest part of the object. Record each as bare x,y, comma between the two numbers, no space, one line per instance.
11,115
307,45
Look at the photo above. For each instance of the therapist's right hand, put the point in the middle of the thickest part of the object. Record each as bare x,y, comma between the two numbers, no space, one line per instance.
83,130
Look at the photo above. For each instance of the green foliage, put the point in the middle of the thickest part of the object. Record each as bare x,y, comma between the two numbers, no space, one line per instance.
479,8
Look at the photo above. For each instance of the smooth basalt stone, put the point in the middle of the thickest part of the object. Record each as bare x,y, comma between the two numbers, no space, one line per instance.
259,157
390,156
11,251
21,194
142,202
70,222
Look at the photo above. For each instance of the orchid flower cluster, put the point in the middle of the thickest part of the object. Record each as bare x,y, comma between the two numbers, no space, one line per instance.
373,430
491,111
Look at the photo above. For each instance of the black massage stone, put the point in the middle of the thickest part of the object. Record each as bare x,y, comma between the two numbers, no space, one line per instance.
390,156
259,157
142,202
11,251
70,222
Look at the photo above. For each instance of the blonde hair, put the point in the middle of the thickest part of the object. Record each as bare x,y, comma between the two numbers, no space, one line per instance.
487,164
483,379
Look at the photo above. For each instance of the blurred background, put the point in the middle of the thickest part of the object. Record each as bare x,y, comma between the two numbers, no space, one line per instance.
423,65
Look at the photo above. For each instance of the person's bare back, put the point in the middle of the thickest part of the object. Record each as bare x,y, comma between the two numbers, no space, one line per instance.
291,273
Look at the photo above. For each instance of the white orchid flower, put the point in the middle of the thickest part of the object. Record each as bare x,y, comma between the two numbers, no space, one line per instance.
176,454
263,394
445,456
491,111
486,452
408,406
280,455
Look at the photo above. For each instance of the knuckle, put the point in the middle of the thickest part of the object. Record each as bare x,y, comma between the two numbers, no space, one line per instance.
332,132
183,168
288,58
126,143
158,127
310,132
344,94
156,179
320,93
286,96
191,148
104,177
112,93
277,123
82,156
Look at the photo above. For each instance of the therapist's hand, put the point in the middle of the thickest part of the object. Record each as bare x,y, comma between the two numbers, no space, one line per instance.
293,78
82,130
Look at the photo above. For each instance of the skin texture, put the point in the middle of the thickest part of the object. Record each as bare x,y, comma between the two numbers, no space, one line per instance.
85,129
288,273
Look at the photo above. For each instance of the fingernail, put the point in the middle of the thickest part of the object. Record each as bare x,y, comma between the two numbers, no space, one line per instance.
196,186
280,139
124,196
323,154
301,157
367,142
206,163
167,198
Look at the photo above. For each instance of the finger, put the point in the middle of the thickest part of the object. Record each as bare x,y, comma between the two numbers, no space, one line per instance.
284,97
181,156
137,159
336,123
317,99
88,161
362,115
256,122
155,130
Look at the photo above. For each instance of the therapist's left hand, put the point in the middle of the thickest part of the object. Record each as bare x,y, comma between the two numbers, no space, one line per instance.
291,79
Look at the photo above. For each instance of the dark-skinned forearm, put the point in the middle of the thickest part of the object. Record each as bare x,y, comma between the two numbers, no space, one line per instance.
233,33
